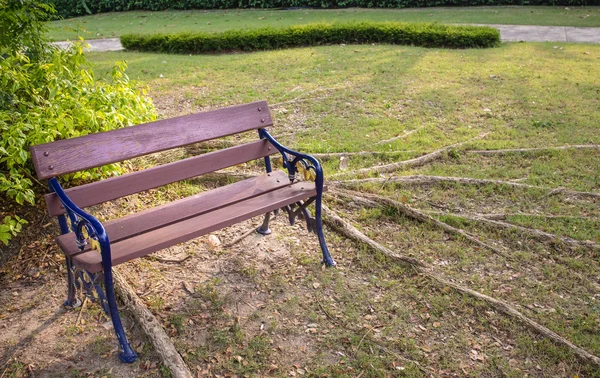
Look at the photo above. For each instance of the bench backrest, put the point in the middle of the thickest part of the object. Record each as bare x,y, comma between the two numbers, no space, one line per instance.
94,150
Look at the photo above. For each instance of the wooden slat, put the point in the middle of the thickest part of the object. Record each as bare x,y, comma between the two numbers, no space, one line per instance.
149,242
94,150
176,211
117,187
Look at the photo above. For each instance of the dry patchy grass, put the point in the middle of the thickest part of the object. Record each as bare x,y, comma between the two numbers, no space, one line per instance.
265,307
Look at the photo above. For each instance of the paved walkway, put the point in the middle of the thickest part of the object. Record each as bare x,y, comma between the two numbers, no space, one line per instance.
508,33
108,44
526,33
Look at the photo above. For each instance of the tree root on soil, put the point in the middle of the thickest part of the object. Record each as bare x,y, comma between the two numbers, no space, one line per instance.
307,96
351,232
228,175
241,237
526,150
343,324
152,327
388,252
505,216
371,200
209,145
334,155
431,180
403,135
364,200
416,162
538,234
584,280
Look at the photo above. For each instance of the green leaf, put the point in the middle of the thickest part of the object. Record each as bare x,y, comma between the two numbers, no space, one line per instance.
50,94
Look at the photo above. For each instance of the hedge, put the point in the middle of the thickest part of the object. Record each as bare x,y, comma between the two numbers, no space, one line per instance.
418,34
73,8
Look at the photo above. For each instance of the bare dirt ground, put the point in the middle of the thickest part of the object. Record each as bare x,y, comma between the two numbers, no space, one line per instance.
38,337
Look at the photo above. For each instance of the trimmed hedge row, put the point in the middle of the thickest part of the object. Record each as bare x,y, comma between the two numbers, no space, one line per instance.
418,34
73,8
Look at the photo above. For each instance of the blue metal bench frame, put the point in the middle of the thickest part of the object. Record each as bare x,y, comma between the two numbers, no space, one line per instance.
309,163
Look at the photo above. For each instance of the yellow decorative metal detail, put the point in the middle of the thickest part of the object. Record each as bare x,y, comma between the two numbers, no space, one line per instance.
94,244
308,174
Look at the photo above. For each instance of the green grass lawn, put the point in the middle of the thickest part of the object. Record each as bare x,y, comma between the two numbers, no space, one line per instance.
526,95
350,98
115,24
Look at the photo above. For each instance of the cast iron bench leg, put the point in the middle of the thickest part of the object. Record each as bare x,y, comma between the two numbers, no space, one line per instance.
127,354
71,301
327,259
264,228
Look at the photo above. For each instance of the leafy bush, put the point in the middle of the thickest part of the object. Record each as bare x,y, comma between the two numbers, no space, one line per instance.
10,227
21,22
428,35
73,8
48,94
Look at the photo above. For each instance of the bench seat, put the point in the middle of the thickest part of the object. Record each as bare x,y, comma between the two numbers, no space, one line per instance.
142,233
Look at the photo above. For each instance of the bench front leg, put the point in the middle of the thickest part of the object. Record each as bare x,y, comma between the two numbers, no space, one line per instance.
81,221
311,166
264,227
327,259
72,301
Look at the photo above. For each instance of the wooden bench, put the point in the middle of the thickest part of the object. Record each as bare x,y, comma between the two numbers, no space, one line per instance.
92,248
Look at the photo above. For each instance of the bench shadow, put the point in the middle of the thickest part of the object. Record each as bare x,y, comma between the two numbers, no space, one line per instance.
27,340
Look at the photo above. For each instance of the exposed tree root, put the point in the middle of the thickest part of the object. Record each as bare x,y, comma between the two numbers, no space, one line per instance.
403,135
507,309
333,155
152,327
85,301
416,162
337,223
241,237
525,150
341,323
430,180
505,216
421,215
300,99
538,234
348,230
370,200
585,280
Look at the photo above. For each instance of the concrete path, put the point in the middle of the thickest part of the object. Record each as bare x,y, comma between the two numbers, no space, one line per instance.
108,44
508,33
526,33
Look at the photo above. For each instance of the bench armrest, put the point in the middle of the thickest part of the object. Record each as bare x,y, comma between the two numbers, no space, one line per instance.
293,160
308,162
86,221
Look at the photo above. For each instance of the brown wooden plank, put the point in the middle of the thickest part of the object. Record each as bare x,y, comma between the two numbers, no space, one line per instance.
94,150
190,228
117,187
160,216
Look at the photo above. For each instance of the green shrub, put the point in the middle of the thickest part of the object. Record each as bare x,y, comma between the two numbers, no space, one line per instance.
20,24
73,8
427,35
48,94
